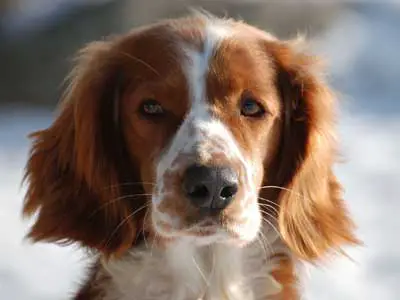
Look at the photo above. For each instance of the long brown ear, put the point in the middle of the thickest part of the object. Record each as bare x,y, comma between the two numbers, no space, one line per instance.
77,165
313,219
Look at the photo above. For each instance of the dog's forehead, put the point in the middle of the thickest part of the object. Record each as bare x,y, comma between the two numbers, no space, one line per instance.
175,45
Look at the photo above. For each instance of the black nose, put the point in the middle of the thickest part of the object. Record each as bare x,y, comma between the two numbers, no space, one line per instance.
211,188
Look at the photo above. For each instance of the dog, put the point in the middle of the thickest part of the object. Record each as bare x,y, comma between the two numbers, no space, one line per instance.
193,157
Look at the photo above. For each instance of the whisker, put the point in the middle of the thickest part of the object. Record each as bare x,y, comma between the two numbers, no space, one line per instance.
269,206
129,183
199,269
211,275
136,59
125,220
269,214
143,230
273,227
272,209
213,265
265,243
270,223
269,201
262,245
281,188
207,281
116,200
152,244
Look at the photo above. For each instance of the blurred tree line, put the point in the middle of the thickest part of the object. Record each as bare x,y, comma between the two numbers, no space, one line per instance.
34,61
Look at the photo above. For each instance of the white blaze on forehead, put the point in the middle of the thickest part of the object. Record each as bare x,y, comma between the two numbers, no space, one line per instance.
198,64
199,124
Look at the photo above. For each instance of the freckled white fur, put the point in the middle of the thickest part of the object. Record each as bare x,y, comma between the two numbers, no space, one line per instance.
202,135
186,272
196,69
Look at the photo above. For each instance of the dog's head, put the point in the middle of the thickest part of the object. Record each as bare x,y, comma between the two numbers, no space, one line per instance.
197,128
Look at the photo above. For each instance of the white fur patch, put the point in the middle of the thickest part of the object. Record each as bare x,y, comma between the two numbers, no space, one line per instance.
184,272
196,69
201,135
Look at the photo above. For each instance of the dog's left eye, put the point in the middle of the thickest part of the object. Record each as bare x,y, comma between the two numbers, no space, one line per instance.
251,108
151,107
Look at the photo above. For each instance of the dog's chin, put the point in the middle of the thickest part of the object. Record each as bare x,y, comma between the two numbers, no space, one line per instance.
232,234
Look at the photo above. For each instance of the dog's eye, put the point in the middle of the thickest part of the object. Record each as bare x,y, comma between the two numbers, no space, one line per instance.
251,108
150,107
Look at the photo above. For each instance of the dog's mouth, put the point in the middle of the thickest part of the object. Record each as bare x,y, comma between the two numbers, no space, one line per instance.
208,229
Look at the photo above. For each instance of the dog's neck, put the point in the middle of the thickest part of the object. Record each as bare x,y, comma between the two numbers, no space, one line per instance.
184,272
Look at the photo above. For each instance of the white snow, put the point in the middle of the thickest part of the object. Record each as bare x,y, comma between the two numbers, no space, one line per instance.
38,272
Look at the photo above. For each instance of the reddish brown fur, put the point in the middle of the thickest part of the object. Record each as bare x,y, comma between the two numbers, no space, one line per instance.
319,222
285,275
79,166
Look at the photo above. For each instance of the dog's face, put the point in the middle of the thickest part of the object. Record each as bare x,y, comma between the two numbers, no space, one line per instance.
198,128
207,120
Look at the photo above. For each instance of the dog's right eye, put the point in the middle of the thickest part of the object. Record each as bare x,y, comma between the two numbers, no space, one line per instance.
151,108
251,108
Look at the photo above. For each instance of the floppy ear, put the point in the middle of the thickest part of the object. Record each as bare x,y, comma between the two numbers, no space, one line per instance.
77,165
313,219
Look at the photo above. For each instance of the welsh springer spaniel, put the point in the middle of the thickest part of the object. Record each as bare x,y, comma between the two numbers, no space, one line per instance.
194,157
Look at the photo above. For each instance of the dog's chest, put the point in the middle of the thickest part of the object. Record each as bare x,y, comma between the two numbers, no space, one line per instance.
216,272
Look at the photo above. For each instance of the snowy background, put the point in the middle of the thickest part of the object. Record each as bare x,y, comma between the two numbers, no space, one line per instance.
363,48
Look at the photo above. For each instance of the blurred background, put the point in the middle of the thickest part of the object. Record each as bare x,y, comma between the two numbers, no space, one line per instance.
360,40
